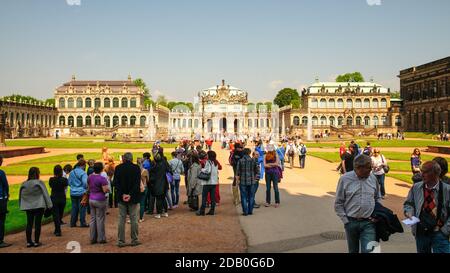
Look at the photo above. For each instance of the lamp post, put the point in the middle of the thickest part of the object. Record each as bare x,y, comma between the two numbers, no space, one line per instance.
443,127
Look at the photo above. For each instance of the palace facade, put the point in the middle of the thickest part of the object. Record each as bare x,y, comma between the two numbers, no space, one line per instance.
425,91
350,108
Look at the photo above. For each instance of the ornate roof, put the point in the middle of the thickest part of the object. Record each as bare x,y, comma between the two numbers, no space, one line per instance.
224,93
346,87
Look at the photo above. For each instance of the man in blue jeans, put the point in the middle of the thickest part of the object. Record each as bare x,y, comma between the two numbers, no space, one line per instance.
429,201
356,195
246,172
78,186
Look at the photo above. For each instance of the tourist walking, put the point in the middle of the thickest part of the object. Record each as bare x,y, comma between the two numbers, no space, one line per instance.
158,182
356,195
195,184
347,160
429,201
177,168
78,186
58,184
302,154
143,188
260,149
290,152
273,175
379,168
211,169
246,172
255,156
4,198
98,187
281,151
34,200
127,178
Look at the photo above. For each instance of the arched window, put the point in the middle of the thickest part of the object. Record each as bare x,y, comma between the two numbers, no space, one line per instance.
304,121
79,103
332,121
398,121
196,123
97,103
115,121
62,121
133,102
349,104
350,121
116,103
132,120
315,121
366,121
384,120
375,103
70,103
124,103
62,103
375,121
70,121
332,103
323,103
358,121
190,123
184,123
250,123
142,121
296,121
97,121
107,121
358,103
107,102
383,103
79,121
88,121
340,103
314,103
88,102
124,121
366,103
323,120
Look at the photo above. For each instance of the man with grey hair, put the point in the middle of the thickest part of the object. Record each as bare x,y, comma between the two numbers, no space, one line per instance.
356,195
127,180
429,201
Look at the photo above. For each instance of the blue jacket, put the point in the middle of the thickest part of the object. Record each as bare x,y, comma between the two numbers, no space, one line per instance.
4,187
147,164
260,150
281,151
77,182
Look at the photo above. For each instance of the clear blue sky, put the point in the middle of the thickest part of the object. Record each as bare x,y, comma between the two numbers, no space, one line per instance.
180,47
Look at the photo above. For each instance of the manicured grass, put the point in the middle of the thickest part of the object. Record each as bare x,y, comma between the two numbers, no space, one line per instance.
334,156
402,177
381,143
405,156
16,220
419,135
330,157
75,144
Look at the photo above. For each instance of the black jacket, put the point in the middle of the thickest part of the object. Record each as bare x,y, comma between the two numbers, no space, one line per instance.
158,179
127,180
387,222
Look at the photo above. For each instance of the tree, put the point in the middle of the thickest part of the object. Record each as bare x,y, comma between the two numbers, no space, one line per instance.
286,96
395,95
141,84
296,104
350,77
161,100
269,105
50,101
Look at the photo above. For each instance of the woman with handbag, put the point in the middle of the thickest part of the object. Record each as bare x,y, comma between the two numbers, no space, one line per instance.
98,186
210,177
158,182
58,184
194,185
34,200
273,173
379,169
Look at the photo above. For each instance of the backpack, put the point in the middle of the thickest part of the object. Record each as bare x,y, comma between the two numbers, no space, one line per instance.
291,151
303,150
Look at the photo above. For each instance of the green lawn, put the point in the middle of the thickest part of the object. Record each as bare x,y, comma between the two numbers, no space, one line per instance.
402,177
16,220
70,143
419,135
381,143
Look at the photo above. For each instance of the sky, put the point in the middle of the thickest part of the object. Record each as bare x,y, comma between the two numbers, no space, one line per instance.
179,47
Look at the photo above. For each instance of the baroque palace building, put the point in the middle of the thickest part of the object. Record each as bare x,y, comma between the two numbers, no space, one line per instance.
425,91
223,110
337,108
108,107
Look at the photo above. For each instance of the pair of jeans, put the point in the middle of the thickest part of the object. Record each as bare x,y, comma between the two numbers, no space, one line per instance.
211,189
302,159
77,209
436,243
261,166
381,179
132,209
97,224
247,198
272,178
291,161
34,216
142,203
175,191
360,233
58,213
168,200
161,204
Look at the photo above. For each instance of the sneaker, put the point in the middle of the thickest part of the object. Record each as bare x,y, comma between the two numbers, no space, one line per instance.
3,245
266,205
121,245
93,242
102,242
57,234
276,205
84,226
30,245
37,244
256,206
157,216
141,220
176,206
128,221
165,215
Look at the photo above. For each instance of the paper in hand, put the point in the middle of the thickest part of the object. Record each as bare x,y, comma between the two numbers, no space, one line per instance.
411,221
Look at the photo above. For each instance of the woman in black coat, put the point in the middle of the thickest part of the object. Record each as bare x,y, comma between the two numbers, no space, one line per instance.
158,182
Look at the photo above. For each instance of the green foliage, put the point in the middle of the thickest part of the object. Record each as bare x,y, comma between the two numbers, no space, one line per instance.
50,102
140,83
161,100
172,104
395,95
286,96
350,77
269,105
402,177
27,99
296,104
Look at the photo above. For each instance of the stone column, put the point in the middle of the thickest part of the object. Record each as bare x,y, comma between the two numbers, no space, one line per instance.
2,130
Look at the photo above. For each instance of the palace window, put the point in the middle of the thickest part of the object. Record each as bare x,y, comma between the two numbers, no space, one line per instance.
97,103
70,121
115,103
375,121
115,121
350,121
314,103
340,121
132,120
79,121
124,121
196,123
79,103
323,103
332,121
349,104
340,103
331,103
366,121
383,103
366,103
88,102
190,123
107,121
250,123
62,103
398,121
97,120
358,103
375,103
133,102
142,121
315,121
70,103
62,121
304,121
384,120
323,120
88,121
296,121
124,103
106,103
358,121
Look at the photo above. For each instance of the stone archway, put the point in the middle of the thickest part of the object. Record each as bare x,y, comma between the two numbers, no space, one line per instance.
236,126
223,124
